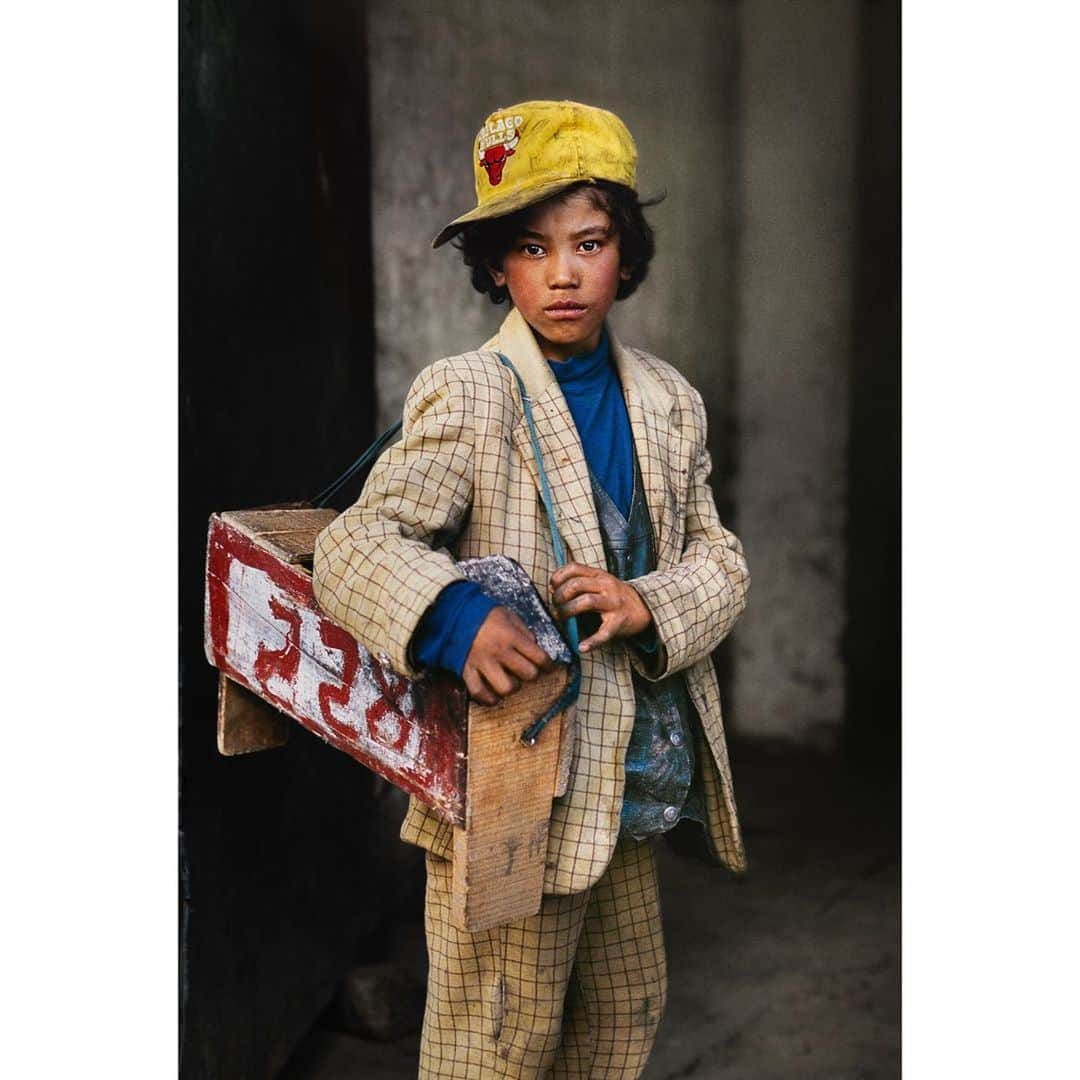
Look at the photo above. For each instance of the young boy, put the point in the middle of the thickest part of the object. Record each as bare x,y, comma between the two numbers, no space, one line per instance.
653,578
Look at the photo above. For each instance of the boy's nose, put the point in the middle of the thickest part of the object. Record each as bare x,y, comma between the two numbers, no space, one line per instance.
563,272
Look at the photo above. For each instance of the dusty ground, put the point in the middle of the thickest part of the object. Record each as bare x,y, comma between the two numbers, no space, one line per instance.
792,971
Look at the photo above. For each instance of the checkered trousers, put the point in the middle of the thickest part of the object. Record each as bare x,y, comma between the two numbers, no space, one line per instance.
574,991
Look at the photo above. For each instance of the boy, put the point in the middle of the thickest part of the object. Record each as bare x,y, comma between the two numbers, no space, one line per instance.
653,578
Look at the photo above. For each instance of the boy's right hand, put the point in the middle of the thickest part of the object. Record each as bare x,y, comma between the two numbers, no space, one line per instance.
504,654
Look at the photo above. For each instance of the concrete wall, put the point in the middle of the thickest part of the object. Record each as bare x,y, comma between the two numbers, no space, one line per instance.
745,114
798,124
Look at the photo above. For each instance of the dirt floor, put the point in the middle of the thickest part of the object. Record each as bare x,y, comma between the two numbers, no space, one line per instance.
790,971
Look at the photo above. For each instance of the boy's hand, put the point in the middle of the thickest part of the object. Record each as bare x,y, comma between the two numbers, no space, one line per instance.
504,654
576,588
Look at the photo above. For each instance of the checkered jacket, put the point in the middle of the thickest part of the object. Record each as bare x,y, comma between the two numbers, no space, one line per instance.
462,482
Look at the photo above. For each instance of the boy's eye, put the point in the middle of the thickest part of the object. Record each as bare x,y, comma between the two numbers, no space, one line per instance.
532,249
590,245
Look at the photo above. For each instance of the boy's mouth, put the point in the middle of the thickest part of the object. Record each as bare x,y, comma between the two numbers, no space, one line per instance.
565,309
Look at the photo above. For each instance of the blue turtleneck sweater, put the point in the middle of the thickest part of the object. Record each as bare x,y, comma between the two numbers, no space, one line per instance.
593,393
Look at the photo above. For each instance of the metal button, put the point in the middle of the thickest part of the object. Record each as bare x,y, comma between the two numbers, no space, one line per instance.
676,738
671,813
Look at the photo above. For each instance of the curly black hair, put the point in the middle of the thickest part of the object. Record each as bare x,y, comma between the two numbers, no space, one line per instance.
486,242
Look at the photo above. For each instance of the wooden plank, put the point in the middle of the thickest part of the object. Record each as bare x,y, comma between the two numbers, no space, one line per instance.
499,855
288,532
567,734
246,723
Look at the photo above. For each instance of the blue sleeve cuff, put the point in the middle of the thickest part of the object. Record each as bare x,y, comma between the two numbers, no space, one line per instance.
447,630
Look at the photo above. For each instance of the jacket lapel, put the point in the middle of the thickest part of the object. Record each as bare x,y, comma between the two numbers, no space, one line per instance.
560,445
649,407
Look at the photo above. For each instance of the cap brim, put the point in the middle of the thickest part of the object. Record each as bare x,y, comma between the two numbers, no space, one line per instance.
496,208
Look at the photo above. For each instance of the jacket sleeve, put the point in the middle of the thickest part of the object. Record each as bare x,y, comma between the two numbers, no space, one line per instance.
381,564
695,603
447,631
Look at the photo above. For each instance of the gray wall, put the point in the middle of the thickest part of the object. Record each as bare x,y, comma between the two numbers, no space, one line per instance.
744,113
798,123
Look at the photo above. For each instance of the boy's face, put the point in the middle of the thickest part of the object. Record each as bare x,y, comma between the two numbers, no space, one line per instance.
562,272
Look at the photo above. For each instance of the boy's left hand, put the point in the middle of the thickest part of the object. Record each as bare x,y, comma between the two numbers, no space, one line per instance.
575,589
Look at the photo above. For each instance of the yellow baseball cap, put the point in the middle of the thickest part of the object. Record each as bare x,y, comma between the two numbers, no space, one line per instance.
526,153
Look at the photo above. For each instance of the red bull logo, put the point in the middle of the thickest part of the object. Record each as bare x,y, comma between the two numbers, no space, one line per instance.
493,158
495,145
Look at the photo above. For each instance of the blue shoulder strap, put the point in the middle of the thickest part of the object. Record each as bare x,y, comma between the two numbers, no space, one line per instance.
573,687
545,491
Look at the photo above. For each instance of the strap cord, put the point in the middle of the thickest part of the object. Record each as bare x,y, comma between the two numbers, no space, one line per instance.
365,460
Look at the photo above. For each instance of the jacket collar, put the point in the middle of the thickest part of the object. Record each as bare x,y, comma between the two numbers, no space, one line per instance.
516,341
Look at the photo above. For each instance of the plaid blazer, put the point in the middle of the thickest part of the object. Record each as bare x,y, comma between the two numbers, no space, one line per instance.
462,482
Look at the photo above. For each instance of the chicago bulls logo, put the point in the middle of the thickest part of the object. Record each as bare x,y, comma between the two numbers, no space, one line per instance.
493,158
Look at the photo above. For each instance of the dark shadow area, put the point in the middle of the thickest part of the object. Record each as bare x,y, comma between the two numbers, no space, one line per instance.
289,858
872,637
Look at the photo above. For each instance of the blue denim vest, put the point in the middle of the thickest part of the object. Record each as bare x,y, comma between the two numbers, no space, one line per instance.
662,784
